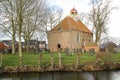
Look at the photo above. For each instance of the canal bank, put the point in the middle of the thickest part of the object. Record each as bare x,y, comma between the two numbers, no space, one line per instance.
97,66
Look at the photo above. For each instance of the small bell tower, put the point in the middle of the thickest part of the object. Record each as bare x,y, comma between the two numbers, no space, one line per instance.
74,13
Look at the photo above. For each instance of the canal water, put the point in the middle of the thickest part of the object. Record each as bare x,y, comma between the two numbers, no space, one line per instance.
101,75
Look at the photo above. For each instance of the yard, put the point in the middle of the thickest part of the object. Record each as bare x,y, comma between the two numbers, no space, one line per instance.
31,59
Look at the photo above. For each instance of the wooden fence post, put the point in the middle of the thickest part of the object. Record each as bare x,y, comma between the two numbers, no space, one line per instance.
52,61
78,59
40,60
59,48
21,61
1,59
60,63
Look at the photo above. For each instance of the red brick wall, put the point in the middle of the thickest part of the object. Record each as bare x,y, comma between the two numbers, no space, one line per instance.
66,39
62,38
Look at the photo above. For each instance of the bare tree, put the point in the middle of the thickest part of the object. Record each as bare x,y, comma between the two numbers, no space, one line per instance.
8,23
82,16
32,20
13,19
18,15
52,17
99,17
110,39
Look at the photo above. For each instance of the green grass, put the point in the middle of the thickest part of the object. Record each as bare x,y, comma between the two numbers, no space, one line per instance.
116,57
32,59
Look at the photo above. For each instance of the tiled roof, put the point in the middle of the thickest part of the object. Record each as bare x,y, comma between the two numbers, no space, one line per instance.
7,42
69,23
33,42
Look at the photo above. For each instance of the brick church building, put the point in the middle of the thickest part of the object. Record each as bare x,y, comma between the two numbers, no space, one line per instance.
71,33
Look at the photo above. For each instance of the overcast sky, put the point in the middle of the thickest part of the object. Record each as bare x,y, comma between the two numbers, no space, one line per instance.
83,6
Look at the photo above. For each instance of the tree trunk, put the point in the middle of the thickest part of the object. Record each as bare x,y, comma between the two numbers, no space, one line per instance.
97,38
20,24
27,45
13,43
13,34
20,50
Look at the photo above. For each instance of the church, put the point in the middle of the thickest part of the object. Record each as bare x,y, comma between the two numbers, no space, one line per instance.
71,33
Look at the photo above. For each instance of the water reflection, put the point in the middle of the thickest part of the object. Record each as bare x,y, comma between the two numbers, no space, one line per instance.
101,75
115,75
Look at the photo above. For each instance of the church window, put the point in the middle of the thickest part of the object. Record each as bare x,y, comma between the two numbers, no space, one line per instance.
59,28
78,38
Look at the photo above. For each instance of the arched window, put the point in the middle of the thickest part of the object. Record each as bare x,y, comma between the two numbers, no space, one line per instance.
60,28
78,37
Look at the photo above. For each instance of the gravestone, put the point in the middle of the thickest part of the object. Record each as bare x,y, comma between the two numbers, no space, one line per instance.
91,51
67,51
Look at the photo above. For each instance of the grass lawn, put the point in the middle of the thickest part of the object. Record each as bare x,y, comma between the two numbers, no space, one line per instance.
32,59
